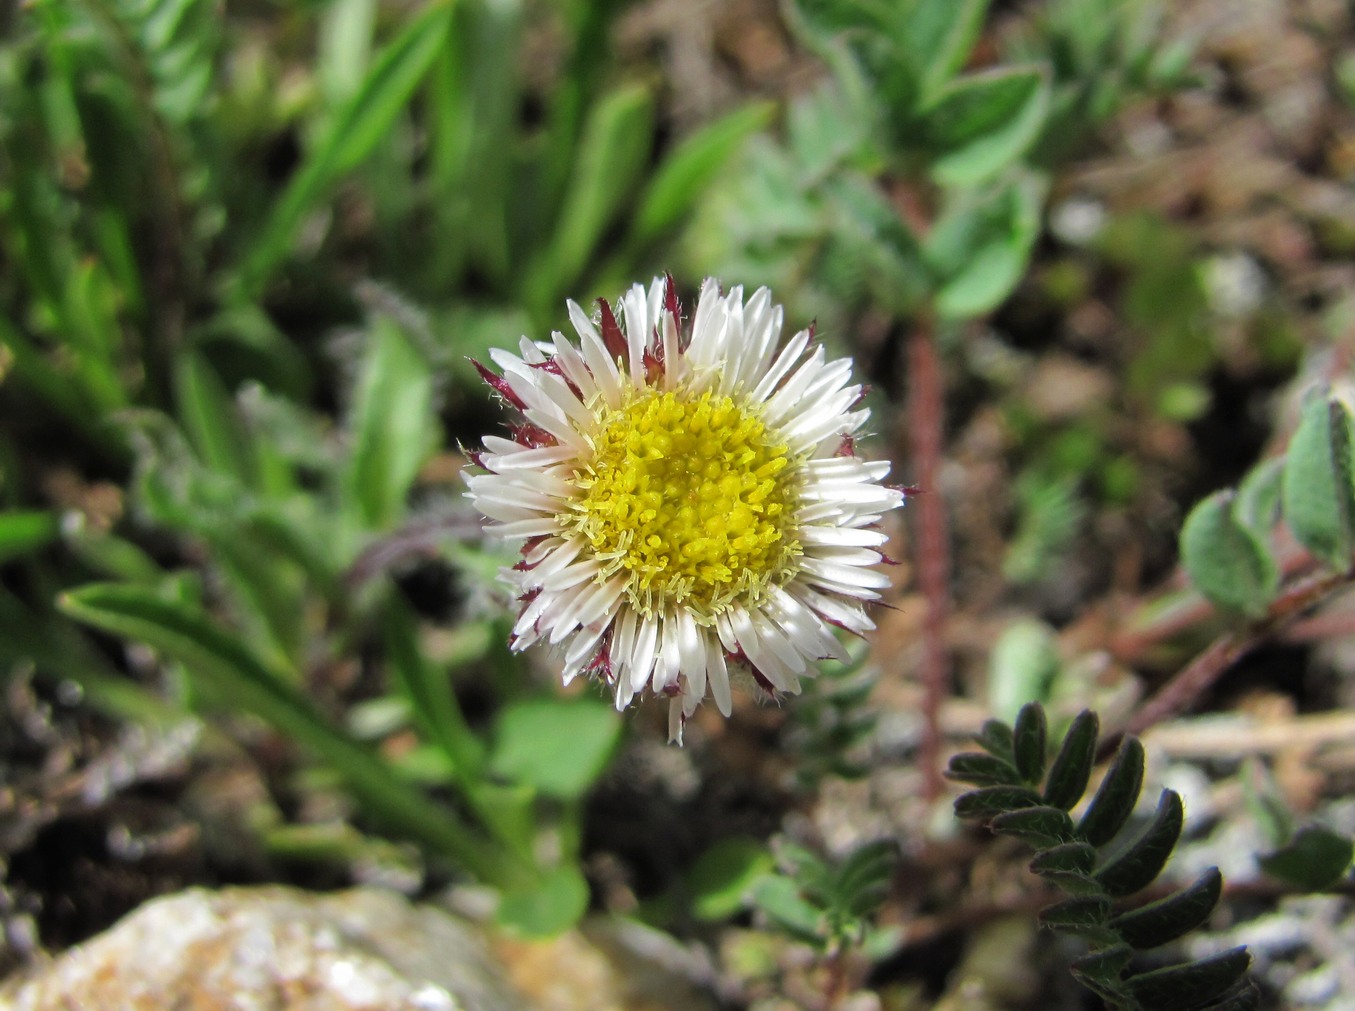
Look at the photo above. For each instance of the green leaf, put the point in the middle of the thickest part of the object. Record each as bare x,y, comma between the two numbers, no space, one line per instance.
1181,987
611,159
1225,559
1072,766
1257,506
863,879
353,134
780,899
1101,972
210,419
938,35
428,687
1314,860
980,247
226,663
1083,916
981,123
1143,861
393,425
1316,491
1038,827
994,800
559,746
1115,798
1030,738
1072,857
1022,666
982,769
995,737
722,879
1069,867
1172,917
26,530
547,907
691,167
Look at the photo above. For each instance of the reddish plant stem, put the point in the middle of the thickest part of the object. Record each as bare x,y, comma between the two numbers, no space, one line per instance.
925,433
1198,676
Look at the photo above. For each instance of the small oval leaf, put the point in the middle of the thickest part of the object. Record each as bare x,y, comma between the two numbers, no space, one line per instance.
1143,861
1114,800
1084,916
1226,561
1178,987
1176,915
994,800
1039,827
982,770
1029,741
1317,494
1072,766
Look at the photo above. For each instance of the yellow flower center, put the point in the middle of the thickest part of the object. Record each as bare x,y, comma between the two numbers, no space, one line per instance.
691,498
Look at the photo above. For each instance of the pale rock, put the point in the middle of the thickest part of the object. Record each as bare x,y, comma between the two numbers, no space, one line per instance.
273,949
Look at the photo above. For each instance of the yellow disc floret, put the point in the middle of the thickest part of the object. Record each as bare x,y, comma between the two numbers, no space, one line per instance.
690,497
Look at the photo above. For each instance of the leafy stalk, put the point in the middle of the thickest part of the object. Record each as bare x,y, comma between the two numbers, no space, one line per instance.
1097,862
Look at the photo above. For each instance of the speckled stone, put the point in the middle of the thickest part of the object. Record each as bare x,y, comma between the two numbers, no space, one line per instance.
273,949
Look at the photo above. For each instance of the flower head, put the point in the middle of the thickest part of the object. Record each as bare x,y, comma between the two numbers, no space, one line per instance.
690,504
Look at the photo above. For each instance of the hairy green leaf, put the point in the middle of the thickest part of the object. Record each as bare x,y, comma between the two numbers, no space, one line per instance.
1030,739
1138,865
1068,866
1101,972
1072,766
1314,859
979,124
1257,506
938,35
1317,492
982,770
980,246
994,800
1083,916
1182,987
1172,917
1226,561
1038,827
1114,800
995,737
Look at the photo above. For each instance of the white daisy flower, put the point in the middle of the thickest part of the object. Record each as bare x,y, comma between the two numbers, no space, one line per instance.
690,504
